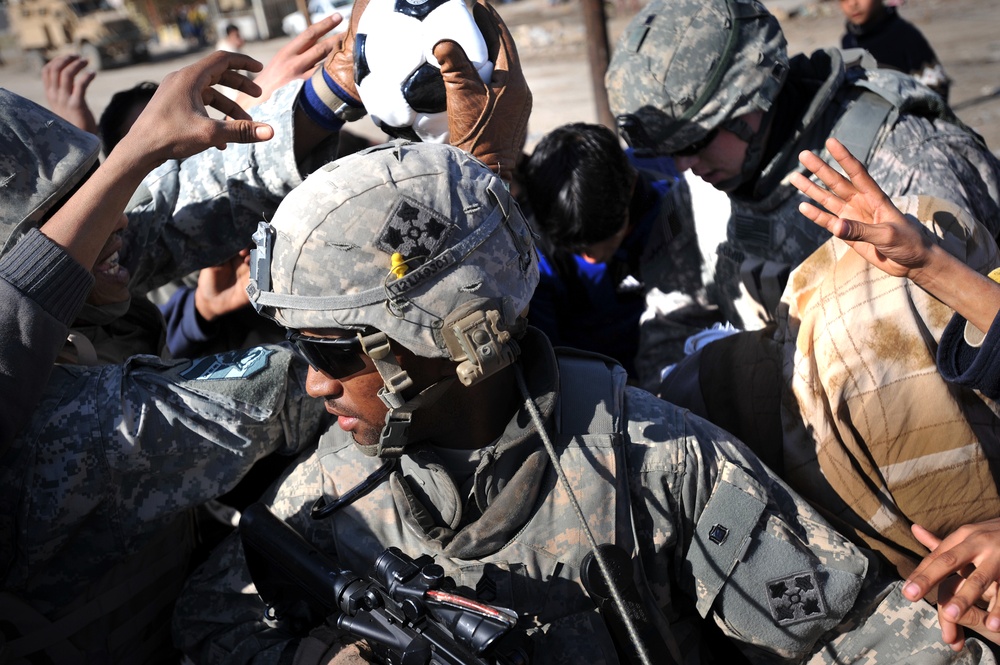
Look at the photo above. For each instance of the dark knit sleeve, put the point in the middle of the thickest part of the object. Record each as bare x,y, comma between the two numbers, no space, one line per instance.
968,366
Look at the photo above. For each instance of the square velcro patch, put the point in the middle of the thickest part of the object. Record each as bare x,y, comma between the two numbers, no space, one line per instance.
414,230
795,598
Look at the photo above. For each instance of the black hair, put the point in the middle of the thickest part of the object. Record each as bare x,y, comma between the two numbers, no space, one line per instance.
231,28
110,127
578,182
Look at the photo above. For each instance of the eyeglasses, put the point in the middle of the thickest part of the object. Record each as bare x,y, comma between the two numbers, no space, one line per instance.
337,358
697,146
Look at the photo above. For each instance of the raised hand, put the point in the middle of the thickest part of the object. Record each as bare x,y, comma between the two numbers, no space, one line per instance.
862,214
489,122
65,82
222,289
295,60
175,124
330,96
966,565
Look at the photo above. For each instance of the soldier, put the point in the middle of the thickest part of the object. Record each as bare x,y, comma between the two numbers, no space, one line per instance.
712,80
403,274
96,490
711,84
97,485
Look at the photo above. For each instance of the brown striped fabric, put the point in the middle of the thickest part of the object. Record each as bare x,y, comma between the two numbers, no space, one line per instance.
872,433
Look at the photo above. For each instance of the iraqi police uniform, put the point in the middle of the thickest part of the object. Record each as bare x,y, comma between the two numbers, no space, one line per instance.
95,526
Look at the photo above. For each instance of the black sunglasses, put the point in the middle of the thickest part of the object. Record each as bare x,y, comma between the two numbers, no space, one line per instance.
337,358
697,146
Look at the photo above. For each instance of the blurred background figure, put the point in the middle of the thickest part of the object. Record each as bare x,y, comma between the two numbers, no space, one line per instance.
232,40
897,44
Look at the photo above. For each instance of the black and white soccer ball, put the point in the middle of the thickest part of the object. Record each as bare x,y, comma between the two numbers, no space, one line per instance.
396,73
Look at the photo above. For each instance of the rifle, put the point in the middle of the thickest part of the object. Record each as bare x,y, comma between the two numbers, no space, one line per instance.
405,609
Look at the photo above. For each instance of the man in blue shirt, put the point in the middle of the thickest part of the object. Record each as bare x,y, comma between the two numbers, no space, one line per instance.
614,226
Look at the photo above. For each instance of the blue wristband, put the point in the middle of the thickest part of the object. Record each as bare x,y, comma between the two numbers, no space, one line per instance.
327,104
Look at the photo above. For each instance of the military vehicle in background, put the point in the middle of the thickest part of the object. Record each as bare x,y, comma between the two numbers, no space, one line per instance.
98,32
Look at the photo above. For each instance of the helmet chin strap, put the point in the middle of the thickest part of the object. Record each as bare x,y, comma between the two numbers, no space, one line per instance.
395,433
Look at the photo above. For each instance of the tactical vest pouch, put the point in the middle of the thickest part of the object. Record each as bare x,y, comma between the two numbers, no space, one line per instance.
773,583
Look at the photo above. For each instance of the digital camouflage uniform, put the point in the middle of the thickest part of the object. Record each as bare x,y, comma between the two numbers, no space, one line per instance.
41,287
854,435
95,524
201,211
188,215
719,536
41,290
665,64
716,533
913,154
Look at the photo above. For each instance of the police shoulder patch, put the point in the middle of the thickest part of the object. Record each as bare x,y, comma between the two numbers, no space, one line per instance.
230,365
414,230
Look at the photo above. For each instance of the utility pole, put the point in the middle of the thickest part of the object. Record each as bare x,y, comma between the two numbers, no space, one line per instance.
596,25
304,8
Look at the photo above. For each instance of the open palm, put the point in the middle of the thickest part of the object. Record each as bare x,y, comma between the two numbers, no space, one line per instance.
856,210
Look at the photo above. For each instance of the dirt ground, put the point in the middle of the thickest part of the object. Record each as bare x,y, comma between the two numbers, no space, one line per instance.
552,44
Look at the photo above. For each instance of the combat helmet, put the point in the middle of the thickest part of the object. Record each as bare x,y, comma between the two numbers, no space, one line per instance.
42,158
416,243
682,68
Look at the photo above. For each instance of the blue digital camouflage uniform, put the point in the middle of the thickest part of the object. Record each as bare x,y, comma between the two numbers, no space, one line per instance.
104,474
41,290
95,525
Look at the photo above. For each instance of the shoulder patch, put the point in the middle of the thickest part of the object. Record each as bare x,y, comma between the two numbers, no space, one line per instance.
230,365
795,598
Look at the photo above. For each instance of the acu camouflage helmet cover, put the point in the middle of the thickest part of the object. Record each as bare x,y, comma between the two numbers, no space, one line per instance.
398,238
42,158
684,67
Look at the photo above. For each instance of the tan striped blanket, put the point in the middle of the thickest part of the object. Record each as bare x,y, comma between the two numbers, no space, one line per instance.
872,434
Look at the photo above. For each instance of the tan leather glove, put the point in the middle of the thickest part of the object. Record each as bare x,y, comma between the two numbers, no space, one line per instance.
333,83
489,122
